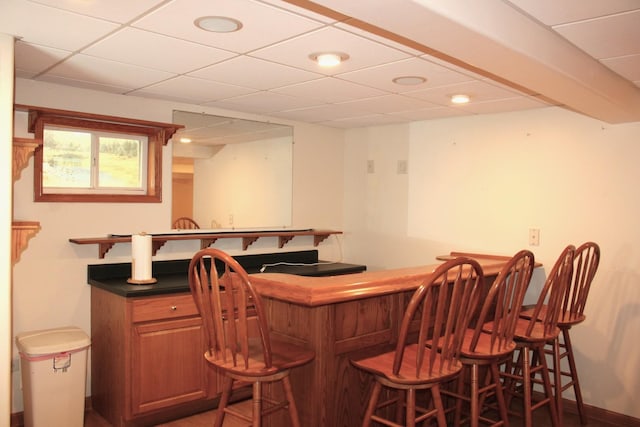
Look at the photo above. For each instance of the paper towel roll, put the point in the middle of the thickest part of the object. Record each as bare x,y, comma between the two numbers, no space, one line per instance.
141,248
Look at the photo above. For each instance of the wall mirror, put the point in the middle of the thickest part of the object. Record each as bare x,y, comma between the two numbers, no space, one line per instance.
234,173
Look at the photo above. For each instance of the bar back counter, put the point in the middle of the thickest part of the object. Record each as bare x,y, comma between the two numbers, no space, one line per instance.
148,343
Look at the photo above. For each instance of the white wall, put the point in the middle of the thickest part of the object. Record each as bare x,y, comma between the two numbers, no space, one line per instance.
479,183
245,185
6,118
50,289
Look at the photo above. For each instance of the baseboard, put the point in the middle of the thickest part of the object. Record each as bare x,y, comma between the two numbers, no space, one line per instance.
599,414
593,413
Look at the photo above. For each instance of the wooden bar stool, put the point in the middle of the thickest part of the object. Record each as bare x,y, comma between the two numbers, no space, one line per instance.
438,312
238,341
501,308
185,223
532,334
585,265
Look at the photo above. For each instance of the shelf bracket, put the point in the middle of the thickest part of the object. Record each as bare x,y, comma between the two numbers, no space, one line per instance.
205,243
283,240
103,248
156,245
247,241
318,238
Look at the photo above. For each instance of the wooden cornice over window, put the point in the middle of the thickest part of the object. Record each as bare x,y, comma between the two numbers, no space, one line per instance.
166,129
158,134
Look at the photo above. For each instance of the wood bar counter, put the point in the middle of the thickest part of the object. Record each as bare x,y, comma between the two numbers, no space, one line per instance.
147,363
342,317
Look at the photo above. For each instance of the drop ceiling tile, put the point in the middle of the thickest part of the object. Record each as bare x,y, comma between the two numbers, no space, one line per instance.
501,105
113,10
388,104
33,59
299,11
627,66
254,73
378,39
262,24
75,31
554,12
321,113
102,87
263,102
430,113
606,37
362,52
104,72
330,89
382,76
363,121
193,90
185,56
478,91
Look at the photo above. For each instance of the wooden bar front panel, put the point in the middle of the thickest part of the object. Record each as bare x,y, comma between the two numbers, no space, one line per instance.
329,391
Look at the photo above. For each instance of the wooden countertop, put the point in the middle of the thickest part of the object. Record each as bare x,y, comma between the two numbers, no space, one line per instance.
315,291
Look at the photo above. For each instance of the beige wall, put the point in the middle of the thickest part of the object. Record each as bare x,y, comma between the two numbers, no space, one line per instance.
474,183
50,288
479,183
6,119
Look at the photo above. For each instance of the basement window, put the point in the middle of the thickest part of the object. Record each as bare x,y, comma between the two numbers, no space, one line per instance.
85,161
84,157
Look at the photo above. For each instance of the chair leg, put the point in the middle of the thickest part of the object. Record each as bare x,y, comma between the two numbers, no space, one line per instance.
557,378
293,409
502,404
410,417
373,402
475,411
460,392
526,386
437,402
400,406
224,401
257,404
548,391
574,376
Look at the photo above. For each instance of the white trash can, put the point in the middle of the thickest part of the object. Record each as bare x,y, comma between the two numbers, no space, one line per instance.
54,369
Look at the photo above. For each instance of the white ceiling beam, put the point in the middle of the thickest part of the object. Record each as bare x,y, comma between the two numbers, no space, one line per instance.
496,38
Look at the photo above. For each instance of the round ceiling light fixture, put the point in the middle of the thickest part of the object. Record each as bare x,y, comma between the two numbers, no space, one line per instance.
460,98
185,140
409,80
329,59
218,24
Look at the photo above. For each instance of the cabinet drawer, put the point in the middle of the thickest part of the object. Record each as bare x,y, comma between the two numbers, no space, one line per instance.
165,307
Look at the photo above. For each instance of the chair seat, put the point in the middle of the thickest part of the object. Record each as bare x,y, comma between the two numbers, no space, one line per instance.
484,350
566,319
284,356
382,365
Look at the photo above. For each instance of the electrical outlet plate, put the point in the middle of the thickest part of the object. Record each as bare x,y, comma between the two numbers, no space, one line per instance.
370,166
534,237
402,167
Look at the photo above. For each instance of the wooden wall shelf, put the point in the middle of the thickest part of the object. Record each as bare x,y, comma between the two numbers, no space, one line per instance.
206,238
22,232
23,149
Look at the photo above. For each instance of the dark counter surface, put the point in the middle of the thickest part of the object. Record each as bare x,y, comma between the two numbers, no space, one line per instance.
172,275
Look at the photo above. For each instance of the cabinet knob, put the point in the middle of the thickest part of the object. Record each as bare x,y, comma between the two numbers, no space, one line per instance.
174,307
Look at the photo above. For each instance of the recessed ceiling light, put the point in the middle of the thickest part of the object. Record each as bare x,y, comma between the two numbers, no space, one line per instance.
409,80
185,140
460,98
218,24
329,59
